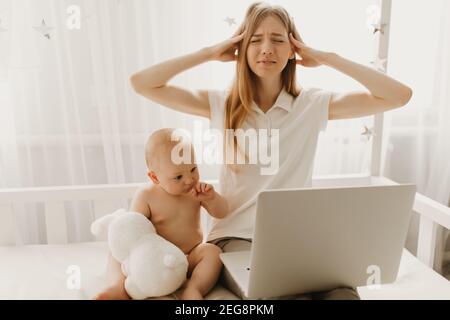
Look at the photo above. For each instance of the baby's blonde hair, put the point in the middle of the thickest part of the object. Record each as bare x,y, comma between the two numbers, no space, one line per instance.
159,145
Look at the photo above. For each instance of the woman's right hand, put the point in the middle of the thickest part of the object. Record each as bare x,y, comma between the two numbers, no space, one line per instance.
226,50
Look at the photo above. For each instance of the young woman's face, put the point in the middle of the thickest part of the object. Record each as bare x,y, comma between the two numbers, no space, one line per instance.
269,49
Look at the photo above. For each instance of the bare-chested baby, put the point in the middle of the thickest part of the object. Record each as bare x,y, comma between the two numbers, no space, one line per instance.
172,203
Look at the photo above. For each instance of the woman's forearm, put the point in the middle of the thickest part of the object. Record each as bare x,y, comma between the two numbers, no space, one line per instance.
160,74
379,84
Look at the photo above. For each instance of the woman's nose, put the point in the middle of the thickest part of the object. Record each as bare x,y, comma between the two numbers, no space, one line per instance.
267,49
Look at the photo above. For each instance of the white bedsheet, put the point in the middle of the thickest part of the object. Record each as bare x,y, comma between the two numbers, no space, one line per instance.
415,281
39,272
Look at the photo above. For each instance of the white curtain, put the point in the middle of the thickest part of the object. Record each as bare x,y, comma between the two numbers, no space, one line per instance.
68,115
418,148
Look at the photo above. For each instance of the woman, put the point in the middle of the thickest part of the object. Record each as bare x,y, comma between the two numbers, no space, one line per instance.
265,95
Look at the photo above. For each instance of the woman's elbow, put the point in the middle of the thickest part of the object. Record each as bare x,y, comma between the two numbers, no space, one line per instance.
136,82
406,97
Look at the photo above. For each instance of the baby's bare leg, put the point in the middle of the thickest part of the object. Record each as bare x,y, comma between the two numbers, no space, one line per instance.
115,282
204,261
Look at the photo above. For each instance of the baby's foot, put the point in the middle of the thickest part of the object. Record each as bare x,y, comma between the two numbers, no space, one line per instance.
116,292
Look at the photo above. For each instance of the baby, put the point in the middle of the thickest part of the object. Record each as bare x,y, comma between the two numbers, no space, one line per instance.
172,203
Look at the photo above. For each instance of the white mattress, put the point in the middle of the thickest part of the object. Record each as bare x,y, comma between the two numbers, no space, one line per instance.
415,281
39,272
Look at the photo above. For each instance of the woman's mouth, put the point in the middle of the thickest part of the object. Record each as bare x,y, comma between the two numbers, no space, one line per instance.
267,62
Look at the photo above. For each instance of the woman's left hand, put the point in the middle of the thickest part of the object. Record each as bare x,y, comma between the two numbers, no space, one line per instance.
310,57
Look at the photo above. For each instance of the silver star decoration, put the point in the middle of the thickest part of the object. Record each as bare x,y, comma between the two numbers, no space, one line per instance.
368,133
379,64
373,15
378,27
230,21
1,27
44,29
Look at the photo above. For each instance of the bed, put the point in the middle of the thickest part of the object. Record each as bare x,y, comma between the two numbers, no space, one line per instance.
47,271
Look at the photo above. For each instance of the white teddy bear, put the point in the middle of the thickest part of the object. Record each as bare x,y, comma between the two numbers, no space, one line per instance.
153,266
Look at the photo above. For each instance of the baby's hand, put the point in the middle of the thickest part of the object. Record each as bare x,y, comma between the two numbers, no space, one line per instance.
203,192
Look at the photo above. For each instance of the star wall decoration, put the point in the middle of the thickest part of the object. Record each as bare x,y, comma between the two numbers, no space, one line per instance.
230,21
43,29
378,27
373,16
380,64
368,133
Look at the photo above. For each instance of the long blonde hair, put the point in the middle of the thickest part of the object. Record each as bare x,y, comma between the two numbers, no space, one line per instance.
242,93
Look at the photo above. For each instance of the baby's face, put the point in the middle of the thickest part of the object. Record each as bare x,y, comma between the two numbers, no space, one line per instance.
177,179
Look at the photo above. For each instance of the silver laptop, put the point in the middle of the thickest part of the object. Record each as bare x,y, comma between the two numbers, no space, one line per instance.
317,239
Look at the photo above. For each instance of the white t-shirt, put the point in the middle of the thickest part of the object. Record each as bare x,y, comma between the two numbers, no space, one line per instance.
299,121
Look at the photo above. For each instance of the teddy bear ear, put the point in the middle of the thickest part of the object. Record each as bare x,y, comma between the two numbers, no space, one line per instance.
99,228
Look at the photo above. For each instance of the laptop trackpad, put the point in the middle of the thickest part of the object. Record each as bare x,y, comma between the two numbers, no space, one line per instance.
238,265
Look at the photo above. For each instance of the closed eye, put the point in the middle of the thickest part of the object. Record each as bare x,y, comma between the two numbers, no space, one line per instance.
254,41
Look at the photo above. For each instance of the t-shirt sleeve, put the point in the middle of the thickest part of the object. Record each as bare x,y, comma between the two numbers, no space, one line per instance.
321,100
217,100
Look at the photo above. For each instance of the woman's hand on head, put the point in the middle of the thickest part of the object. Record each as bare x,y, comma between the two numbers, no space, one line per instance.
309,56
226,50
